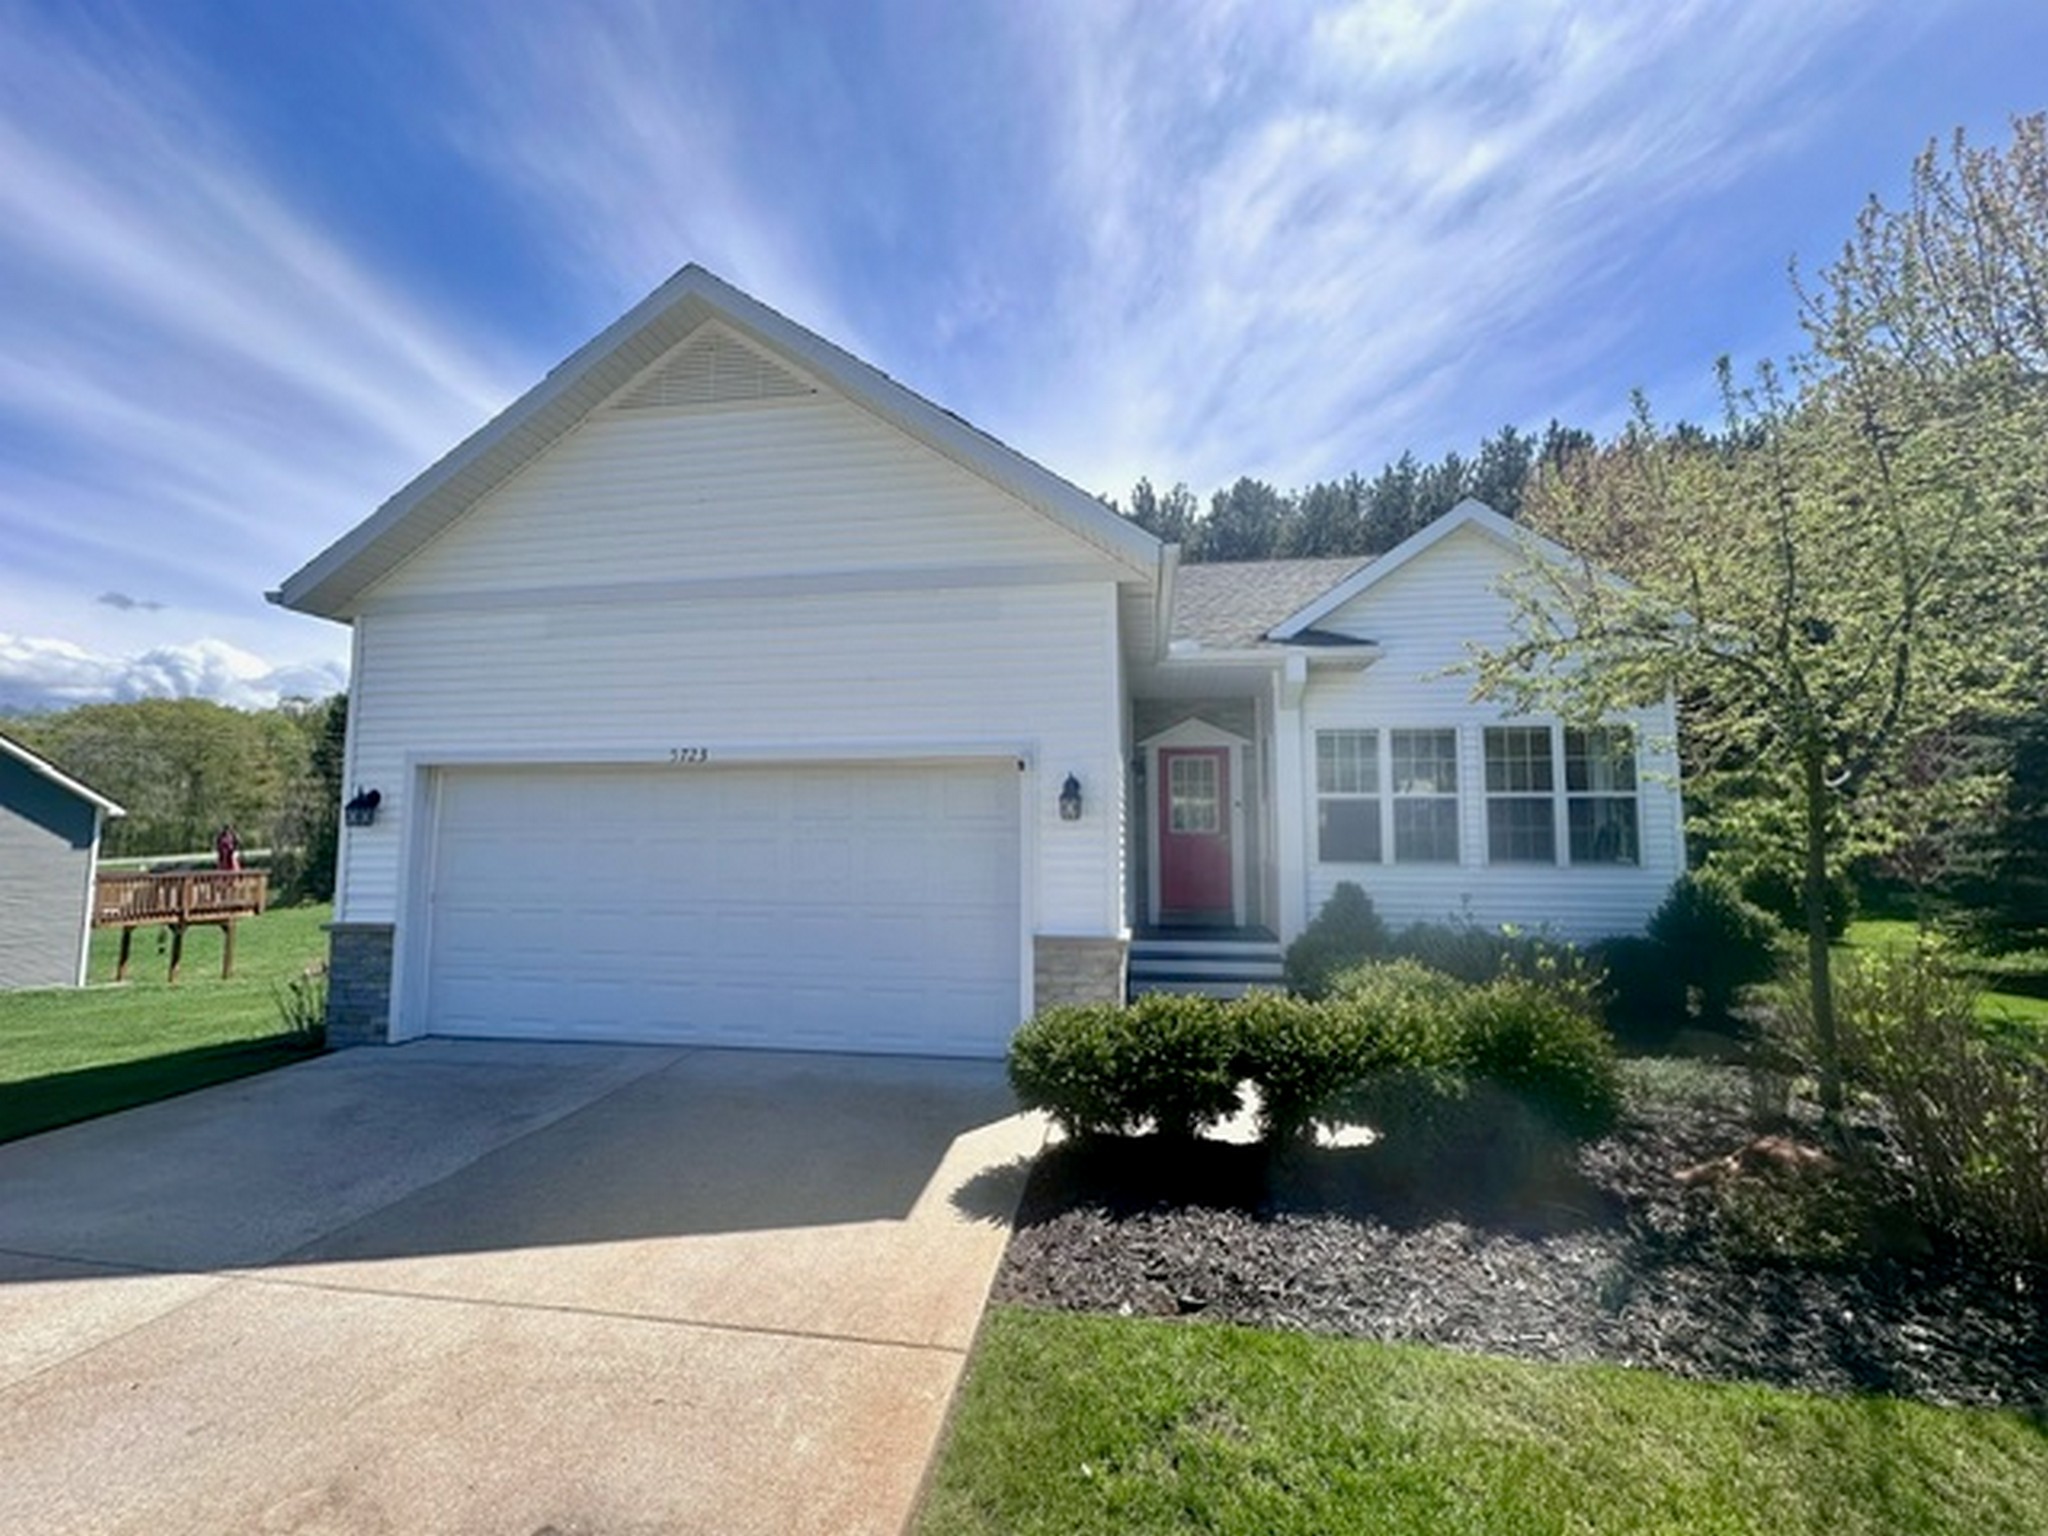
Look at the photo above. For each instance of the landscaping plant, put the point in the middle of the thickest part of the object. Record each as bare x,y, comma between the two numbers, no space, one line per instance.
1970,1115
1714,943
1346,932
1166,1061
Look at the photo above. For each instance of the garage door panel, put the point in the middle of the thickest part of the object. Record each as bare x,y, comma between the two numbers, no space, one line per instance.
843,907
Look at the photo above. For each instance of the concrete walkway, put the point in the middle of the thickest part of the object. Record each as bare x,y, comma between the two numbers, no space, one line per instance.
518,1289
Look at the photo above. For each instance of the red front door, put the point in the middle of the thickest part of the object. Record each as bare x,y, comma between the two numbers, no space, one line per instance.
1194,833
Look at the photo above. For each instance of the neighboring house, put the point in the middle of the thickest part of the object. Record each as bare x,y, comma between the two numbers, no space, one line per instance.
49,852
724,690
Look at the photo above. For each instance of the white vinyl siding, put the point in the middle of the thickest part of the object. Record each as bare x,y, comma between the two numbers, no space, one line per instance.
778,489
1423,618
749,587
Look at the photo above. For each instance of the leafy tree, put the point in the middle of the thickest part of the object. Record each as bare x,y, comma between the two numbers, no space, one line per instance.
1170,516
1244,523
1834,578
1955,278
1326,521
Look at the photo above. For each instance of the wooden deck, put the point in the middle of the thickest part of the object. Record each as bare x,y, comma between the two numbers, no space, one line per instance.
201,898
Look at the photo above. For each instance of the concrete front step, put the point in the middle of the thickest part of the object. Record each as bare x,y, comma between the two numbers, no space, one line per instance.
1211,965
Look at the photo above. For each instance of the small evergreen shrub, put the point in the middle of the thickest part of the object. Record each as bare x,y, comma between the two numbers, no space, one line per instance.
1777,892
1643,994
1166,1061
1543,1043
1345,933
1716,942
1539,1039
1300,1055
1409,1011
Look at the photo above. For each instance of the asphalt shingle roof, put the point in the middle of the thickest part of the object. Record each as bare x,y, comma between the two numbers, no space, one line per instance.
1230,606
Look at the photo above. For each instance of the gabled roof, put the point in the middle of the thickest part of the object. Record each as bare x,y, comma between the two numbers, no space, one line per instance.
1468,513
333,580
1231,606
58,776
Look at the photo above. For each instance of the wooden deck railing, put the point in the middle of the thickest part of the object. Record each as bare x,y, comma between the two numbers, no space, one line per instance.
179,900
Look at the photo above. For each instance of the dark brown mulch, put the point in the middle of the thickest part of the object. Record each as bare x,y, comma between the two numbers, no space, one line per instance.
1590,1253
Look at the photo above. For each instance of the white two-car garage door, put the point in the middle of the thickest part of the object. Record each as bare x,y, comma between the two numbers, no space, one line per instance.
847,906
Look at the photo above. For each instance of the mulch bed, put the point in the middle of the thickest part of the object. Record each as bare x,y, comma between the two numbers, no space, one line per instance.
1594,1253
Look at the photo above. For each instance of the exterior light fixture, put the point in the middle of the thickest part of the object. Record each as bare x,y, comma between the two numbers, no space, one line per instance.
362,810
1070,799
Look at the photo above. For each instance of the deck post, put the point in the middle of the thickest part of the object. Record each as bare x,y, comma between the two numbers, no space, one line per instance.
227,949
177,948
121,967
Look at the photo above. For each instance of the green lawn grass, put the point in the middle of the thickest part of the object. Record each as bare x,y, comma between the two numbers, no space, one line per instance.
69,1054
1069,1425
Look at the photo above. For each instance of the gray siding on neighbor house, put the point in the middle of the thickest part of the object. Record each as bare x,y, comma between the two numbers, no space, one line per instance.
47,841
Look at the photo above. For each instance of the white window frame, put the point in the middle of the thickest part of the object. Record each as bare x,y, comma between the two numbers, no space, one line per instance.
1633,795
1560,796
1386,793
1376,795
1397,796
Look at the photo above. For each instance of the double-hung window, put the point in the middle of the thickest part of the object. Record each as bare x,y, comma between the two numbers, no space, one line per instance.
1600,794
1521,787
1381,793
1425,781
1590,772
1348,797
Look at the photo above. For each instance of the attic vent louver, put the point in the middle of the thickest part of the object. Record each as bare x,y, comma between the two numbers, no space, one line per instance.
713,369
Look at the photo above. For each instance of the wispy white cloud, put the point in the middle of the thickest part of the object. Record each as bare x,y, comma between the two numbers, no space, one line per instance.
40,673
1325,233
198,385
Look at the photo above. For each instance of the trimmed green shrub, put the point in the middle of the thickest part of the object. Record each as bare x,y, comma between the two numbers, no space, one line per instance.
1299,1054
1166,1061
1347,932
1540,1039
1410,1012
1777,892
1716,941
1543,1043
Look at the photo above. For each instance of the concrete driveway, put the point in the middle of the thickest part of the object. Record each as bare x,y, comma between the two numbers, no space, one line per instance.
521,1289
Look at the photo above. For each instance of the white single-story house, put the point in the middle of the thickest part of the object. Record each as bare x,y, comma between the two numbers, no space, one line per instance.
50,828
724,690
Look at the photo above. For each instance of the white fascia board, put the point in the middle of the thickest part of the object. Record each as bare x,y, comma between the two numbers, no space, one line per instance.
59,777
329,584
1466,514
1163,596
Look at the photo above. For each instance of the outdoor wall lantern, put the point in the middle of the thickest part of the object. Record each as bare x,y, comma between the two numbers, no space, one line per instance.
1070,799
362,810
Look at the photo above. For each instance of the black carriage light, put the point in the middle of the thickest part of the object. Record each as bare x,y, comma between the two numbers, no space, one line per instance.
1070,799
362,810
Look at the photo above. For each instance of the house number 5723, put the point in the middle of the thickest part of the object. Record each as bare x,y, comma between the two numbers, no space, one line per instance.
689,754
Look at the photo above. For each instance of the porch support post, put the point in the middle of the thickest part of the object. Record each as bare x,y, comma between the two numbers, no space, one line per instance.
1292,795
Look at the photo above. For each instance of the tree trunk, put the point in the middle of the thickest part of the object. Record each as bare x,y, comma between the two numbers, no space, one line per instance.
1814,891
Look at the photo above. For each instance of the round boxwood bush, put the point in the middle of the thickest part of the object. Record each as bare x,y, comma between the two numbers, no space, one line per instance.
1544,1044
1167,1061
1299,1054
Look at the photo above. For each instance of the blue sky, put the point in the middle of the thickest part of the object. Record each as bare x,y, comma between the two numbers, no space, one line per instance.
262,262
